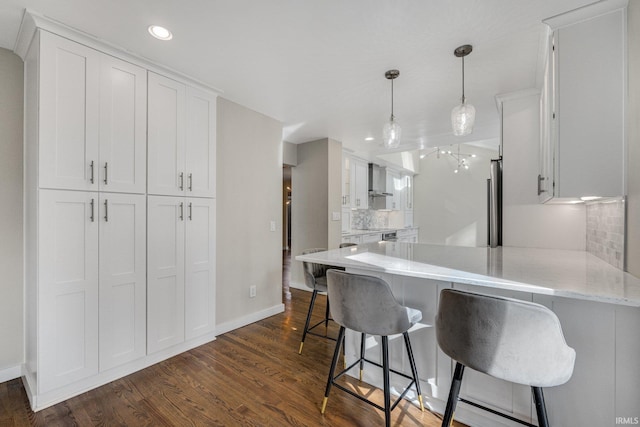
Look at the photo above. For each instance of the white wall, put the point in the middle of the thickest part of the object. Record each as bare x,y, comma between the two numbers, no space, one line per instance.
450,208
11,286
249,196
633,176
525,222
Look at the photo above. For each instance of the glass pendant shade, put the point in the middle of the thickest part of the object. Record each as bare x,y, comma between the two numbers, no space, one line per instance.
462,118
391,133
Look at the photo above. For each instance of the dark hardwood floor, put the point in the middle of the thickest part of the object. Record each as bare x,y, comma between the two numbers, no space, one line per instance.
252,376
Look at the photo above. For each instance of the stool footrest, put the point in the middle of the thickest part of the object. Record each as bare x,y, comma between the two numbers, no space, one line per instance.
493,411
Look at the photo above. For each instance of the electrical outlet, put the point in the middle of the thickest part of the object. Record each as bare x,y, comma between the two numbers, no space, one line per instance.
252,291
272,227
335,216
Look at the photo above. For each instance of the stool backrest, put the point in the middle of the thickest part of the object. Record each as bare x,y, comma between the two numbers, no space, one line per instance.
513,340
365,304
313,270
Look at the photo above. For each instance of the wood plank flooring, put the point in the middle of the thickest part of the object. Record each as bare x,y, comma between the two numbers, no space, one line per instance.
252,376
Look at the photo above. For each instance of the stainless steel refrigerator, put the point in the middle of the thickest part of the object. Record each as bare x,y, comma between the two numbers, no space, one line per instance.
494,204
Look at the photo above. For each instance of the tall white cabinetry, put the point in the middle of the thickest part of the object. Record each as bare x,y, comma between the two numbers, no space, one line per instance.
91,231
181,227
85,118
583,134
359,184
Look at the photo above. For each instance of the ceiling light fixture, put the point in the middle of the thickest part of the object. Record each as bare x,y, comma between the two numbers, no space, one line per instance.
160,33
369,138
391,130
461,159
464,115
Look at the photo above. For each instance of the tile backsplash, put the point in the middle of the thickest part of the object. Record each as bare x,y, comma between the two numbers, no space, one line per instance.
369,219
605,230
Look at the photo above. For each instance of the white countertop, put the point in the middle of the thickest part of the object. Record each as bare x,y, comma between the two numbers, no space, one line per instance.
571,274
355,232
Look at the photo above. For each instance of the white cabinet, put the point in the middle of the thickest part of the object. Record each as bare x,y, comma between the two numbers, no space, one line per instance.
371,238
67,288
408,235
92,115
351,239
346,181
395,187
181,139
91,289
359,185
586,105
346,220
407,193
181,273
122,278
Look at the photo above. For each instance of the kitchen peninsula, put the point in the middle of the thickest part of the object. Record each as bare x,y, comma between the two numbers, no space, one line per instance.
597,304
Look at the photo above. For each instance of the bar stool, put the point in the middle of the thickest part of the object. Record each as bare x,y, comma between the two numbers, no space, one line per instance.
365,304
315,277
505,338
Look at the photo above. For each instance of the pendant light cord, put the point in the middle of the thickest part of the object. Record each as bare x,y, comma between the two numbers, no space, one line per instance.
392,100
463,80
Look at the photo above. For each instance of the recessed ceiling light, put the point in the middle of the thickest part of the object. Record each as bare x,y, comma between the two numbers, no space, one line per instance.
369,138
160,33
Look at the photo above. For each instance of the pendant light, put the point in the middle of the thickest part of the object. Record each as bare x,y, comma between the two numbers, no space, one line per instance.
464,115
391,130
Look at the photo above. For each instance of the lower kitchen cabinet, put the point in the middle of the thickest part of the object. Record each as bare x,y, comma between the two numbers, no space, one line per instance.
91,289
123,278
181,272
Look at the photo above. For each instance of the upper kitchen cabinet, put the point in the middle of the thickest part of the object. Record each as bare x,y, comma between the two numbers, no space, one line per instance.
583,108
359,185
181,138
92,119
346,181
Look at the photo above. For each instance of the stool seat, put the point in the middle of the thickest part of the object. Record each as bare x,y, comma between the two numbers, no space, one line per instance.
513,340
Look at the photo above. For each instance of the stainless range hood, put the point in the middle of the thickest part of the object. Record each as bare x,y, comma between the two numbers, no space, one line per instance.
378,186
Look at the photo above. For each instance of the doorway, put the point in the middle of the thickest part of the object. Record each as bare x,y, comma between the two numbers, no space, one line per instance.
286,230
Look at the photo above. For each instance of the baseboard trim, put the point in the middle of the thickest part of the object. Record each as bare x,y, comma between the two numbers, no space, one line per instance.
251,318
10,373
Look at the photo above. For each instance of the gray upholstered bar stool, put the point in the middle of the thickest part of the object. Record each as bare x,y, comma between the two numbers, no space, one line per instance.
365,304
509,339
315,277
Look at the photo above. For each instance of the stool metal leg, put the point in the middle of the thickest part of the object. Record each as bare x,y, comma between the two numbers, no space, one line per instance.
453,395
363,339
334,362
306,324
326,318
385,374
414,371
541,410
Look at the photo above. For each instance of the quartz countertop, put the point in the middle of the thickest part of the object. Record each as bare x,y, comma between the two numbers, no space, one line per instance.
571,274
355,232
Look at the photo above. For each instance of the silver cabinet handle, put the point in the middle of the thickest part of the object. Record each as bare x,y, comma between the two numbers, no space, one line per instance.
92,208
91,166
540,190
190,182
106,210
181,211
190,212
181,180
106,165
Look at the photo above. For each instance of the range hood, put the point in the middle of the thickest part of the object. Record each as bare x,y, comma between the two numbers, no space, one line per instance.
378,181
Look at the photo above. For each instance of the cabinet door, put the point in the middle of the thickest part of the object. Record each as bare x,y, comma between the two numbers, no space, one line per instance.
166,136
165,272
123,126
407,193
201,144
361,184
346,181
200,269
122,278
68,287
591,116
394,186
68,114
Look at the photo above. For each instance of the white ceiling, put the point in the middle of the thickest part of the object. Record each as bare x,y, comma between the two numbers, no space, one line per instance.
318,66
